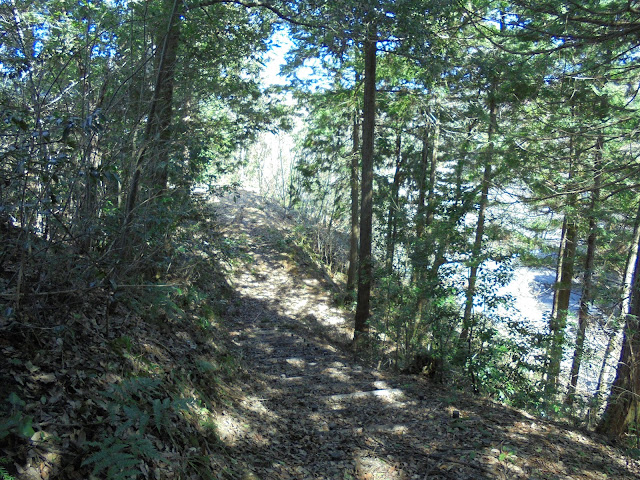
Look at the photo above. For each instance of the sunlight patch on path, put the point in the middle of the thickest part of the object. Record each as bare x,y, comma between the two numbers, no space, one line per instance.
376,468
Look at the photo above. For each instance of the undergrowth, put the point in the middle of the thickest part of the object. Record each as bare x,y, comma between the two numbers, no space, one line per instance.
4,474
132,371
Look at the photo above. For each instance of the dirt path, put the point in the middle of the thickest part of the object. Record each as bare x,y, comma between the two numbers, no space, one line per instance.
311,411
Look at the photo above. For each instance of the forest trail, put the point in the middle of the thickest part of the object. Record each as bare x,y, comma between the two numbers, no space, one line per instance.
309,410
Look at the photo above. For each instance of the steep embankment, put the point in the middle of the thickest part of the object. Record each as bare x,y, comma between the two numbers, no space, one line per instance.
310,411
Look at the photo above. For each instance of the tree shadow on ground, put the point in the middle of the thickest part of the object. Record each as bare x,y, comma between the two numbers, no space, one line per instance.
314,412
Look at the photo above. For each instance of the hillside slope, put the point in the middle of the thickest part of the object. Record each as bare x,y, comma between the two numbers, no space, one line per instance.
244,376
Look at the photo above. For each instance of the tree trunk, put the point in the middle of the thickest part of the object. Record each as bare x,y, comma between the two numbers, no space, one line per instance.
427,188
561,248
583,312
558,322
562,293
365,270
428,258
631,261
420,251
393,207
422,185
157,132
463,201
585,299
484,201
431,196
355,214
596,401
164,109
622,407
626,293
91,161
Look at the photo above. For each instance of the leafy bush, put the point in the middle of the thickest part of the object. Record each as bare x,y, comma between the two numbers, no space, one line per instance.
135,406
119,459
4,474
16,422
500,362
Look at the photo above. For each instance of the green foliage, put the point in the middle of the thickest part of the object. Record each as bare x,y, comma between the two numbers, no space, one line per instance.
4,474
70,157
507,453
122,345
208,317
224,365
134,407
119,459
409,332
500,362
234,250
16,422
633,440
139,400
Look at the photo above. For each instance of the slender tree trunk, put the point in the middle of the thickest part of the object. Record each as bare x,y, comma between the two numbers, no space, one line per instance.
558,321
393,207
420,251
422,185
623,404
426,201
596,401
355,214
583,312
164,109
433,247
365,270
91,160
484,201
462,157
463,201
157,132
564,279
587,284
561,254
427,187
433,167
631,261
629,278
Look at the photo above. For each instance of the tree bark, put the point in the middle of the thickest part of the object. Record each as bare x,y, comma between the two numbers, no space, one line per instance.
157,132
365,270
587,284
597,396
420,251
355,214
393,207
429,256
91,161
484,201
622,407
631,261
558,322
433,167
422,185
164,108
562,294
426,244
